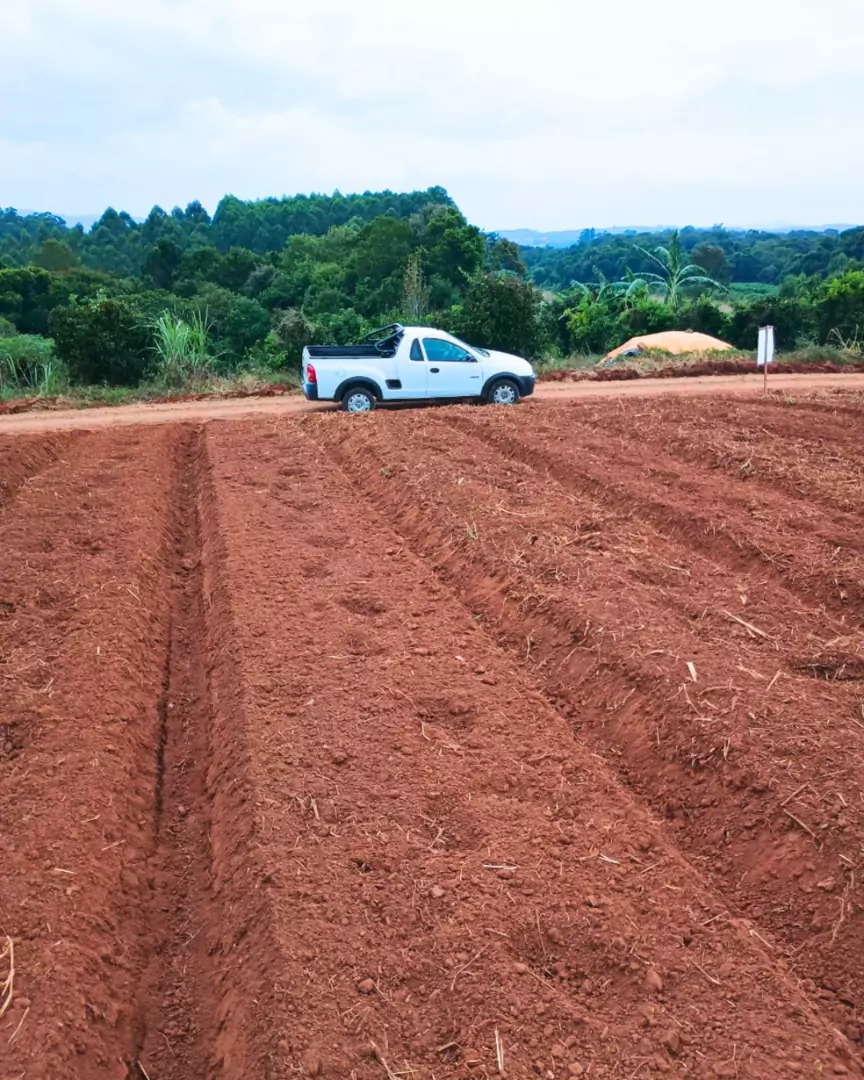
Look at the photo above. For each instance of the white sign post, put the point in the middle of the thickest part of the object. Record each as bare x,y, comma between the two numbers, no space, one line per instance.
765,353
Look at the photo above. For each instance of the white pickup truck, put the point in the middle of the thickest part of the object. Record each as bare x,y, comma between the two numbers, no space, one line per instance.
409,363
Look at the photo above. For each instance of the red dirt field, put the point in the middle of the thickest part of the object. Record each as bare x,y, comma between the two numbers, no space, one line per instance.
435,744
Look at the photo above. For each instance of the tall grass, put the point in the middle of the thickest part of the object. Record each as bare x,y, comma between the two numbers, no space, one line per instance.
28,367
183,358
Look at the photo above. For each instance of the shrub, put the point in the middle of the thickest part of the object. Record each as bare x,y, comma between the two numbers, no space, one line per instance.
102,340
840,310
236,323
294,331
593,327
645,316
792,321
705,317
268,358
28,365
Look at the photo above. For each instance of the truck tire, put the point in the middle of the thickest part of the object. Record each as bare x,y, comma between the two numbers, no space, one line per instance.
357,399
503,392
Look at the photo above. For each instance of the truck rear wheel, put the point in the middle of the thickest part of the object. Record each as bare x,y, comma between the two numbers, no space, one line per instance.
357,399
503,392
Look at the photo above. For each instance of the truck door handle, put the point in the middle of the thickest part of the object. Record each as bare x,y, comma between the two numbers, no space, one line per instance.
434,370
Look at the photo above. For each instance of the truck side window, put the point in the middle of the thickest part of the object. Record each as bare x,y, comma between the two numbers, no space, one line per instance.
439,351
416,352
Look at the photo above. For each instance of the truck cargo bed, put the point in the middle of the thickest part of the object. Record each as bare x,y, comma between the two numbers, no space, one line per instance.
336,352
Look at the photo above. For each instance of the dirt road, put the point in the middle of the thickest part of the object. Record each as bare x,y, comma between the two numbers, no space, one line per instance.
91,419
436,744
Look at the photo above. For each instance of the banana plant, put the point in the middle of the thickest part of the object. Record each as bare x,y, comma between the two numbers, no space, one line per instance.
676,274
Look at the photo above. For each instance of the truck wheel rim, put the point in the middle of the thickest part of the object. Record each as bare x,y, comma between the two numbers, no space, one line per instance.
504,395
359,403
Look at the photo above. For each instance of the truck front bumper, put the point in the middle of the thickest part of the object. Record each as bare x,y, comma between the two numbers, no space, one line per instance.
526,385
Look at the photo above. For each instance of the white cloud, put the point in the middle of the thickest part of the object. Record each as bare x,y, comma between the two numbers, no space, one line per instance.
552,114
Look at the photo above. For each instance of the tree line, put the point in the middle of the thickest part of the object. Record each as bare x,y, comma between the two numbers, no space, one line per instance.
727,255
183,295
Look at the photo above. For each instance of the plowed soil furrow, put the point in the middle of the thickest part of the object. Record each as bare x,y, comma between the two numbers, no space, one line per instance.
840,406
812,418
756,459
598,606
211,1004
142,942
789,541
80,671
178,998
453,877
22,459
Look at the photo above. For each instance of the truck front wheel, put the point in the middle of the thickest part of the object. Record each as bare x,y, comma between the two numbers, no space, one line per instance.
503,392
357,399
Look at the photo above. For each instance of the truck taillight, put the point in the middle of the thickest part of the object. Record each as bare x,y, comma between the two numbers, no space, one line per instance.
311,377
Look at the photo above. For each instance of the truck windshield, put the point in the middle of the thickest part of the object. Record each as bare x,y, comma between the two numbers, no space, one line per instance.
470,348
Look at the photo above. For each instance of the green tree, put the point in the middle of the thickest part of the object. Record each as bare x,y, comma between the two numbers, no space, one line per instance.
236,323
162,262
54,255
713,261
415,294
504,255
27,297
234,269
502,312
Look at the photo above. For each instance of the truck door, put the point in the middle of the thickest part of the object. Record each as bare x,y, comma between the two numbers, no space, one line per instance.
453,371
411,369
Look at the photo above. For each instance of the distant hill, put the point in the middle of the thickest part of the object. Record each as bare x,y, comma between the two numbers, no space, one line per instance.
86,221
567,237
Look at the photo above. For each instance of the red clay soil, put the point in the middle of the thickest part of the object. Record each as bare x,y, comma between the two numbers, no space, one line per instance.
21,460
756,762
369,748
703,367
108,887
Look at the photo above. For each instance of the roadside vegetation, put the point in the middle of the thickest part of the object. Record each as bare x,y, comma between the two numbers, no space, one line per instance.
186,303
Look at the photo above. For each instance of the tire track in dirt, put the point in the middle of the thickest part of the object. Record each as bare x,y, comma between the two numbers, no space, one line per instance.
450,869
728,812
611,476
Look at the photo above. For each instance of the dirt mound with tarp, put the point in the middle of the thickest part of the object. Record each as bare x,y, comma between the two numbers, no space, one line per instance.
675,342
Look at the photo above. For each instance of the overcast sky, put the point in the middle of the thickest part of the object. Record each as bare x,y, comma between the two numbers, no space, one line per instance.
548,114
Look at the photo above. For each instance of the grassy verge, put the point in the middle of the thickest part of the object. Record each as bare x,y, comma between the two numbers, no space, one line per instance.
83,397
